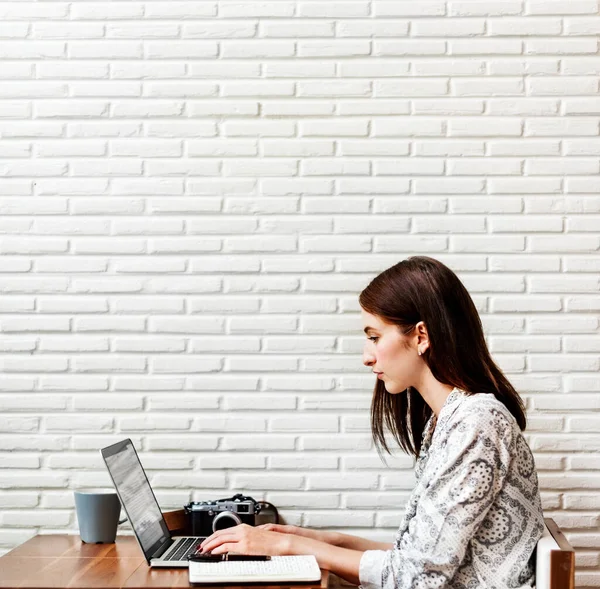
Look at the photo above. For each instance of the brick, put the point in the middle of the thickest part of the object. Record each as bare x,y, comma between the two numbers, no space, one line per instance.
488,244
318,128
259,128
374,186
484,126
412,47
11,129
523,106
487,166
150,423
334,48
145,148
560,46
180,89
526,224
432,224
30,285
529,264
102,50
557,86
103,129
562,166
144,31
16,70
449,186
567,284
12,89
24,168
524,147
186,49
373,28
487,87
420,87
32,49
72,69
66,30
524,186
485,46
19,499
524,26
334,482
448,106
131,70
566,243
587,25
373,147
332,89
558,7
16,149
255,49
484,8
448,27
449,148
186,364
71,148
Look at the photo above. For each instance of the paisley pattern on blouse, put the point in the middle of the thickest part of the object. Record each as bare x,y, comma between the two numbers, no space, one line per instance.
474,517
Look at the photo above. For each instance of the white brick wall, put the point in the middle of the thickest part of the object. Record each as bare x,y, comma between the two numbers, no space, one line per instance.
193,193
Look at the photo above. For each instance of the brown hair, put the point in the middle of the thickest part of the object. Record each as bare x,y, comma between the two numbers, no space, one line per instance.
423,289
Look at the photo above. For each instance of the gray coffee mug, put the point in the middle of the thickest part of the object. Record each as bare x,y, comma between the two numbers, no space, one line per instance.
98,515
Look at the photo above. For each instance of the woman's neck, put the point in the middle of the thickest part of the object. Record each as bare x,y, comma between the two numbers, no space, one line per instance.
434,393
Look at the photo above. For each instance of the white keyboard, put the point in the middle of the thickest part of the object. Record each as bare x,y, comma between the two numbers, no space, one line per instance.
279,568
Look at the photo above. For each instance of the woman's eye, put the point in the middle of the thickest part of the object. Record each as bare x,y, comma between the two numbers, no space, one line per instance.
373,338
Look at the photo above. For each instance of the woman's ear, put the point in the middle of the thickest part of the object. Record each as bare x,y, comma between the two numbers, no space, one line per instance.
422,337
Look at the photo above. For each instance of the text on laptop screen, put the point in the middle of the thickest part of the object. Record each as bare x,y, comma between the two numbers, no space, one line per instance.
136,494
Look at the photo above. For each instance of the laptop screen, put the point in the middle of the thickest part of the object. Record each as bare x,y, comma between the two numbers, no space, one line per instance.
137,497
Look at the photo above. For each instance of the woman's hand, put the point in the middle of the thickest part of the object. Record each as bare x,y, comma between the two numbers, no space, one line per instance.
281,540
245,539
320,535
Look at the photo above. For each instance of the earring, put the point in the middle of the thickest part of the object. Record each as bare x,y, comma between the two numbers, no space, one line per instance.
419,352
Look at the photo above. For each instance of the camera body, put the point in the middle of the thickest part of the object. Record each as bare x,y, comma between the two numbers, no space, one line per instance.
206,517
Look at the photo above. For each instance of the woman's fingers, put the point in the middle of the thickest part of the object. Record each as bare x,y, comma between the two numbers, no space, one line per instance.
210,544
283,529
272,527
217,534
224,548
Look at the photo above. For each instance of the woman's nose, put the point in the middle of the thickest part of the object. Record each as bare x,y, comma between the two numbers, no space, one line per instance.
368,359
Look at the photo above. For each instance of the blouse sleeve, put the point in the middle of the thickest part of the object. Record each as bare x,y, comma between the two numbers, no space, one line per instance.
463,481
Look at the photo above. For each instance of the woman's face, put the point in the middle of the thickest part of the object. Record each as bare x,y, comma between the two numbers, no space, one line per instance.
391,353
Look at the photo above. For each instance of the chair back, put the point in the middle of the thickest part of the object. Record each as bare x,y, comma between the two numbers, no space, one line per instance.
555,559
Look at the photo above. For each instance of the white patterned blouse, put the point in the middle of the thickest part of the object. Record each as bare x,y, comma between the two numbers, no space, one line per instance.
474,516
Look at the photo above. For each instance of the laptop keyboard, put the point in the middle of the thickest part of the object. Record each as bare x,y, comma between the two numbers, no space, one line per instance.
184,549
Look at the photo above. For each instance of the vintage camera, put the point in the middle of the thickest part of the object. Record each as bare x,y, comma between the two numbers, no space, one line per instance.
207,517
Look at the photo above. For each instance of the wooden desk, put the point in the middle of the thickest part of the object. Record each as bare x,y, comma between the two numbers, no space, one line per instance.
60,561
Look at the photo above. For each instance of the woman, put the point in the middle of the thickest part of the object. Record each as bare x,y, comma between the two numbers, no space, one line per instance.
474,517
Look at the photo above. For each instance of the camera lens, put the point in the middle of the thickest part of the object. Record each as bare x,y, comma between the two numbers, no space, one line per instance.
225,519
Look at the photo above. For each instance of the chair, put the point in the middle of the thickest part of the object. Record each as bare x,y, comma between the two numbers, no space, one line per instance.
555,559
177,522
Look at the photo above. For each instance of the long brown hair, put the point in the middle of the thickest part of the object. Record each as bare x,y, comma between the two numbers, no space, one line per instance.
423,289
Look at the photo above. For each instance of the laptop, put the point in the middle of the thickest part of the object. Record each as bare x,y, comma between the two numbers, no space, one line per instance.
138,500
163,550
